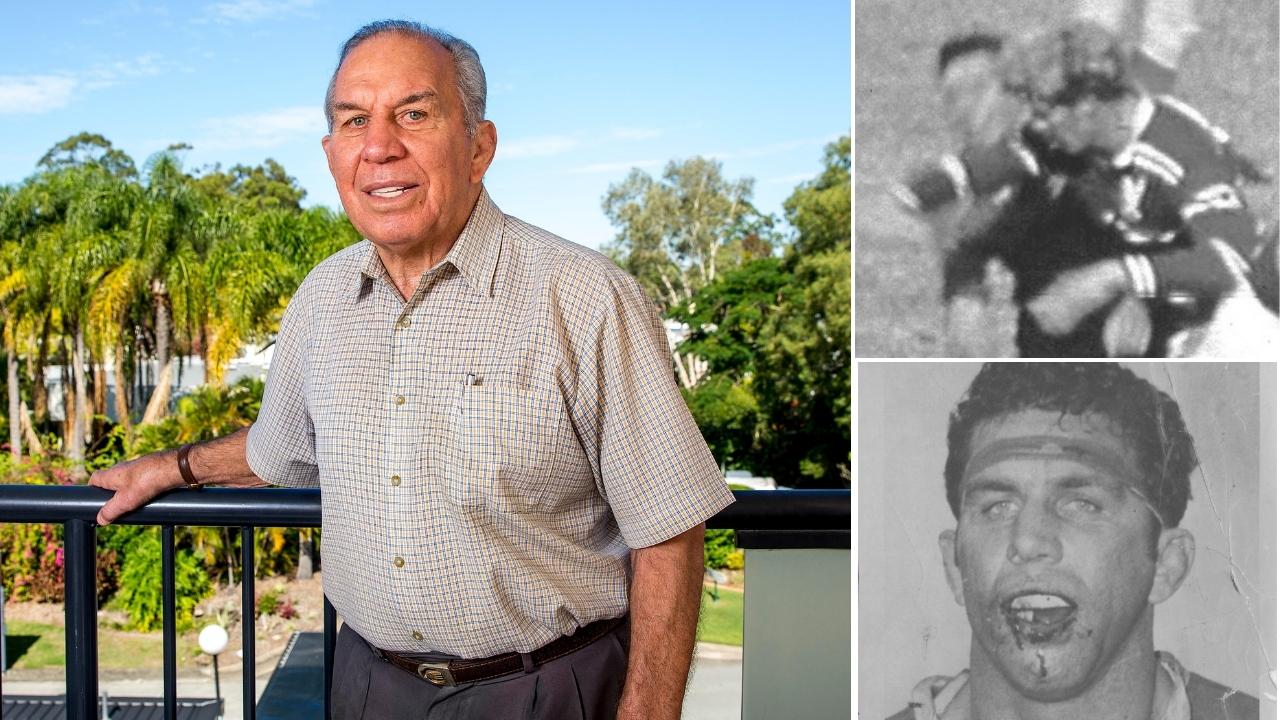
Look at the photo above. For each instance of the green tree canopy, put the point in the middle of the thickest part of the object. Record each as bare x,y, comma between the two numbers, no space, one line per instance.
265,186
89,149
676,233
775,335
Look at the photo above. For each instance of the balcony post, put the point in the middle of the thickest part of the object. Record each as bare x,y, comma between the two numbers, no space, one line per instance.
81,602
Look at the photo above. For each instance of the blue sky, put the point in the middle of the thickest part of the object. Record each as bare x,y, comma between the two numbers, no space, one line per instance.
580,92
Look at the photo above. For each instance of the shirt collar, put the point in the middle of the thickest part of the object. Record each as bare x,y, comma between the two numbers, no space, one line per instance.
947,698
1143,111
474,254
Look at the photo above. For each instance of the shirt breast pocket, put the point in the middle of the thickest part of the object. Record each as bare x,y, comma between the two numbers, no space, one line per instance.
505,445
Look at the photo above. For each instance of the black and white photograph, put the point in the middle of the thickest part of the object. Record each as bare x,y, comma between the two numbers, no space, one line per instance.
1086,178
1066,540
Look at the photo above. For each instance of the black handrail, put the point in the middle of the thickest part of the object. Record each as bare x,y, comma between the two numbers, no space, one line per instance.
290,507
77,508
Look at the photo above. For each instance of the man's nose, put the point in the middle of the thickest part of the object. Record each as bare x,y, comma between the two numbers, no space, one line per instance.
382,142
1035,537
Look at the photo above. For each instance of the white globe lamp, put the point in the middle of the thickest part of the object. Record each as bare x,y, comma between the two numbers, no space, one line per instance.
213,640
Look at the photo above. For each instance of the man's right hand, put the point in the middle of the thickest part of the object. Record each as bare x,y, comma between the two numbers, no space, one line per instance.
136,483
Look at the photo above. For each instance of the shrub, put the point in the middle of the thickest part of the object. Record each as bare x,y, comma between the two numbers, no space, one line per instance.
274,602
141,592
31,561
719,545
735,561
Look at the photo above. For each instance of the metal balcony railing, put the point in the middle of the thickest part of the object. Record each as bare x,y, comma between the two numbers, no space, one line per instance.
782,519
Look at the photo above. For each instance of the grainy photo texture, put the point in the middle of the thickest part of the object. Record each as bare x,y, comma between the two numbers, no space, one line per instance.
1092,178
1066,540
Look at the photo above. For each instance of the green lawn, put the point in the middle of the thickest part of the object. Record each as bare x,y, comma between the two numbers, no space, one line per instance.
721,620
32,645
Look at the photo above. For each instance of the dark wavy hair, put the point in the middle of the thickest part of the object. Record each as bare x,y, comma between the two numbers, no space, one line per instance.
1061,67
1148,420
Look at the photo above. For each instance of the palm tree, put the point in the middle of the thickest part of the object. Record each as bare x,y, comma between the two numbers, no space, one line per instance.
162,241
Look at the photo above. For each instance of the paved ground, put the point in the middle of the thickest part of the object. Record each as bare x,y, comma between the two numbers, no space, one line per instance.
715,692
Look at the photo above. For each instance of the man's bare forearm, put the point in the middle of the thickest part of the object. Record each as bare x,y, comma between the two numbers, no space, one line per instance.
218,462
666,590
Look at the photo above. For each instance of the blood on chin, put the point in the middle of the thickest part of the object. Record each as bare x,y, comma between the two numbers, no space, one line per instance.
1044,656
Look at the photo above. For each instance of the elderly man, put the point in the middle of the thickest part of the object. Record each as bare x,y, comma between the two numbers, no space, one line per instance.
514,493
1067,482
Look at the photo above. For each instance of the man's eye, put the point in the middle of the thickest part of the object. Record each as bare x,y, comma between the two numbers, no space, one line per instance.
358,121
999,509
415,116
1081,506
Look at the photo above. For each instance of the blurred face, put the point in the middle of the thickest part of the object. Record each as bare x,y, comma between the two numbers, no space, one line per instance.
970,94
1052,556
1088,125
406,170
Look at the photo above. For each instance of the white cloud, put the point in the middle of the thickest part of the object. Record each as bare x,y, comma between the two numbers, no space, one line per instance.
614,167
262,130
34,94
544,146
773,148
634,133
254,10
108,74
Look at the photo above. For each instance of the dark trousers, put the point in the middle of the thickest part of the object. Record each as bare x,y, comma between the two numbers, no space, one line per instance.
584,685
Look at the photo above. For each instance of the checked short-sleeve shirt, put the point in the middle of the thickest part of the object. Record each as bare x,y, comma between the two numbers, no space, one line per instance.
488,451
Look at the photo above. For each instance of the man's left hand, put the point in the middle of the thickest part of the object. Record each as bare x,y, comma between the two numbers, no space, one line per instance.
1076,293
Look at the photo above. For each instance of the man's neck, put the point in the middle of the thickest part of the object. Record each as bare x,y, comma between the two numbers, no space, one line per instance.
1127,690
405,266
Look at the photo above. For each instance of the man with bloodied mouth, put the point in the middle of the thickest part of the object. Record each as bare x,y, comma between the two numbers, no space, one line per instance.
1067,482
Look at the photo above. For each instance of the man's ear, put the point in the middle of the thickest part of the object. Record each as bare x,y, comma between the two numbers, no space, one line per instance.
486,144
1175,554
947,544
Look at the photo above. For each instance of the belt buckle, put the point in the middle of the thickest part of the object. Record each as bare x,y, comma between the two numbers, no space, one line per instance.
436,673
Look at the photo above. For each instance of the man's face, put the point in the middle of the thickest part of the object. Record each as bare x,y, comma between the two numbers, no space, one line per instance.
1087,125
406,170
1052,555
970,95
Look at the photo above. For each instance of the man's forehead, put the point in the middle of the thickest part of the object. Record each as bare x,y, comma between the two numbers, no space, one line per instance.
395,59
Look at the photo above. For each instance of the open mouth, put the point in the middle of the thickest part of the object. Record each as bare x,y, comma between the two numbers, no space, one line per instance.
1038,617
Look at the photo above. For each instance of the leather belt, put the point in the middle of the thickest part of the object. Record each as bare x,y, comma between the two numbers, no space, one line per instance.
461,672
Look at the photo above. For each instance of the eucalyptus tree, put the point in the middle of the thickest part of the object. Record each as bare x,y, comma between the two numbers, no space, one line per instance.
678,233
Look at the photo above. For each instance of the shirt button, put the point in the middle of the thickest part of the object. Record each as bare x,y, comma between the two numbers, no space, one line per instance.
399,561
395,481
404,323
399,399
417,635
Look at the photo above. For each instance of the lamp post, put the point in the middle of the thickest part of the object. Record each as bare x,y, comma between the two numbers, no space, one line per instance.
213,640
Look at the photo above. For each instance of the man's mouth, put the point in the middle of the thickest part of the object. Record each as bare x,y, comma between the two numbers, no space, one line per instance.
390,191
1038,617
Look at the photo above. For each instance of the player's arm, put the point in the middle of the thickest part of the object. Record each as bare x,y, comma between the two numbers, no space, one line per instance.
1219,233
977,171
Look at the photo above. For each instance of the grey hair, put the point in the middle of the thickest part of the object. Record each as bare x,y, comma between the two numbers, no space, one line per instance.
466,63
